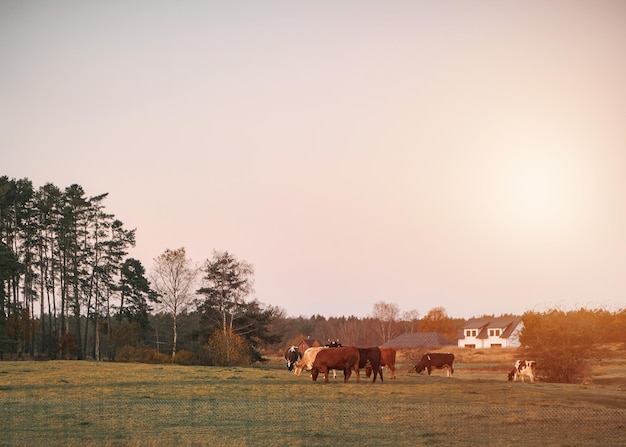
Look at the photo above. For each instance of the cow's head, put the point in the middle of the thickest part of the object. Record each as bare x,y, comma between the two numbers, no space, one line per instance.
292,355
512,375
419,367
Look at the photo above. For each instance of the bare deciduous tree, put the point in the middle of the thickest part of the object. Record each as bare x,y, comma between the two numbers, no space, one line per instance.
386,314
173,276
410,320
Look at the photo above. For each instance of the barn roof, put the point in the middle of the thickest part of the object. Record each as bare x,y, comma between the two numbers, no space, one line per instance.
412,340
507,324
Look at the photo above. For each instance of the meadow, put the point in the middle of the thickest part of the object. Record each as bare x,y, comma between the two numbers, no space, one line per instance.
66,403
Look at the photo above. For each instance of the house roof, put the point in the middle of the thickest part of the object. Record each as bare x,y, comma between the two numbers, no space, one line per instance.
507,324
412,340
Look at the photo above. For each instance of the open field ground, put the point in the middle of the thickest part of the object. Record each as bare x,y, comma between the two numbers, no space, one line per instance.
113,404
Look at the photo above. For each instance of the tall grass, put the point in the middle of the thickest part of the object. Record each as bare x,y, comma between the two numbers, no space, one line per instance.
69,403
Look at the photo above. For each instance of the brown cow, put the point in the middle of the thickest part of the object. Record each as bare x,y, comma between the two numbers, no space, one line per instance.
388,359
346,359
371,356
308,358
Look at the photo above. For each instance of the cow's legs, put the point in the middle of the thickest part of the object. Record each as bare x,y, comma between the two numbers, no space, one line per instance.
314,373
346,373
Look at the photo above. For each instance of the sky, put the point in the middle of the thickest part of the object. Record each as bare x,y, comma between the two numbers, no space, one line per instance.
455,154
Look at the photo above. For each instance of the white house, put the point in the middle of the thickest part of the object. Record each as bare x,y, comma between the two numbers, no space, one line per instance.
491,332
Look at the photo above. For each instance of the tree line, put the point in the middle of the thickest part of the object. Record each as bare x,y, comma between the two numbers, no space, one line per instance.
69,290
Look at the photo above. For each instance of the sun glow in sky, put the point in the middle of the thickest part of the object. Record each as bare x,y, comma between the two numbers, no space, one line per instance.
539,189
469,155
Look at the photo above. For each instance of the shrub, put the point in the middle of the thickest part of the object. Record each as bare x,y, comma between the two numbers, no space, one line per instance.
561,343
183,357
126,354
130,354
153,356
227,349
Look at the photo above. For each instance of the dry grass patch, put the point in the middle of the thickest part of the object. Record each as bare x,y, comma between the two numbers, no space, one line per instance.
94,404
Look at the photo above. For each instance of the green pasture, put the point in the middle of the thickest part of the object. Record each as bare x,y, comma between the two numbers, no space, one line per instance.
67,403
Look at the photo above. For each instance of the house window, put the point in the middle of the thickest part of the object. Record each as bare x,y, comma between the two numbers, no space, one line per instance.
471,346
470,333
496,345
495,332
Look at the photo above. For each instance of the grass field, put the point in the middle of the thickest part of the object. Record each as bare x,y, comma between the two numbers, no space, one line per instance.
66,403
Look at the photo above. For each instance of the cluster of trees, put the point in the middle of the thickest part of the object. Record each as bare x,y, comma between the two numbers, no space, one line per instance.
218,311
69,290
63,259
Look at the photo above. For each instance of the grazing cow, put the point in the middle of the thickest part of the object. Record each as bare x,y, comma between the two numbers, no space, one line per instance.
388,359
371,357
345,359
523,368
307,359
436,360
292,355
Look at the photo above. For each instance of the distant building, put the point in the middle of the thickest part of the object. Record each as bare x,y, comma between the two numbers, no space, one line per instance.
419,340
308,343
491,332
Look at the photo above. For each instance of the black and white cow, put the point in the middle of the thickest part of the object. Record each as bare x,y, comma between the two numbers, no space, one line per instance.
437,360
523,368
292,356
333,344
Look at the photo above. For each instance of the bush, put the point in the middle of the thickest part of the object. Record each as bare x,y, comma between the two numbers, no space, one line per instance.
227,349
130,354
153,356
561,343
183,357
126,354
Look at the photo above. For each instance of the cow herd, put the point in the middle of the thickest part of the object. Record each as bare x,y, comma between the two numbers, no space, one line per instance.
349,359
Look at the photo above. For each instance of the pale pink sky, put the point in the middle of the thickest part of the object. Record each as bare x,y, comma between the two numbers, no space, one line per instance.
464,154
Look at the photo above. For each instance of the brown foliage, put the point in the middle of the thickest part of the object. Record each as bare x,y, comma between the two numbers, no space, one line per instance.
227,349
184,357
67,346
437,320
130,354
561,343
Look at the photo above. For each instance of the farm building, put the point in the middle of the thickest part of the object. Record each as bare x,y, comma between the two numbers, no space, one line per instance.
418,340
308,343
491,332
